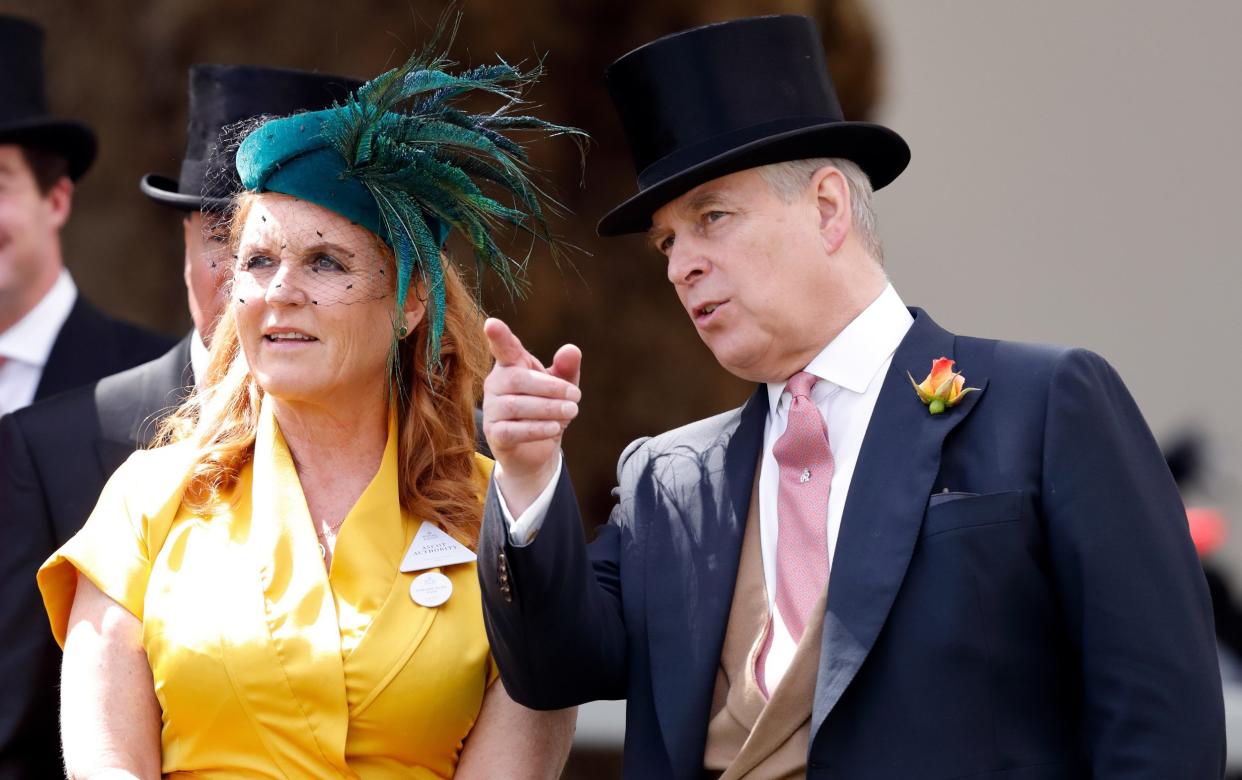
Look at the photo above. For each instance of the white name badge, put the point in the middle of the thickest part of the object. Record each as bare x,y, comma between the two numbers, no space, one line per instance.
431,589
432,548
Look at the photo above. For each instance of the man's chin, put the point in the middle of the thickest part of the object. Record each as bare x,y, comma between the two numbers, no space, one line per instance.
748,366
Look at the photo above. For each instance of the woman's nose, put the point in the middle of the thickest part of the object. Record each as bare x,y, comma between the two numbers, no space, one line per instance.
284,287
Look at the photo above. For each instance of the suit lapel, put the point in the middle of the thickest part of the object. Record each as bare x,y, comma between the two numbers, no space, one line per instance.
694,503
81,352
897,465
129,405
111,454
132,403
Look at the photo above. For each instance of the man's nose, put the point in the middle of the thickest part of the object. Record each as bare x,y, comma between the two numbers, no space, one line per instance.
284,287
686,262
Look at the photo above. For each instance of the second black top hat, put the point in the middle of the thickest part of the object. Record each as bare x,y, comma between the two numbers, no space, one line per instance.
223,95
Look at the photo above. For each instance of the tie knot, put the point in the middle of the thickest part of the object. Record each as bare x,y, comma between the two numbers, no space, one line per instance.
800,384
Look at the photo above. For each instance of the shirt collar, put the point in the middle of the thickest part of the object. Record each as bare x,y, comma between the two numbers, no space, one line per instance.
854,358
31,338
199,357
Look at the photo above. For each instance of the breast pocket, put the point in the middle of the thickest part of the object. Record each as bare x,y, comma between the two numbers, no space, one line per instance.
955,511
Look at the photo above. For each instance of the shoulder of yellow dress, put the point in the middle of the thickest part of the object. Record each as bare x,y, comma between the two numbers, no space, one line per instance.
484,466
160,460
151,477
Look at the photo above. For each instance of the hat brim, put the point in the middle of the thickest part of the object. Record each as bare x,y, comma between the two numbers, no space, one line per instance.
73,139
880,152
165,190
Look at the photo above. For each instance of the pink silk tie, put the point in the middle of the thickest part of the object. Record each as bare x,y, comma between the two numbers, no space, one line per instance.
806,468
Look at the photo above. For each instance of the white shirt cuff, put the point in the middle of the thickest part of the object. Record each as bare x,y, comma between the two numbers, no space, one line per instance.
522,531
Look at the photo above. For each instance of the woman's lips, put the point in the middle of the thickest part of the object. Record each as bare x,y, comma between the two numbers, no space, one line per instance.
289,339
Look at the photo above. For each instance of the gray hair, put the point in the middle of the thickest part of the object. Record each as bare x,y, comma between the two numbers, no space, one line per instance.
790,179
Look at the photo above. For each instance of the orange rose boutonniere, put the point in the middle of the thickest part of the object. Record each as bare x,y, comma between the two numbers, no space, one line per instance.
942,388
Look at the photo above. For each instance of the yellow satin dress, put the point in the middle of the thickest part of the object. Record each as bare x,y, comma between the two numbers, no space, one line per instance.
265,664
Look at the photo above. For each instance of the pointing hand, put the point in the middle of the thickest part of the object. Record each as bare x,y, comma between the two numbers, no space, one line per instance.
526,409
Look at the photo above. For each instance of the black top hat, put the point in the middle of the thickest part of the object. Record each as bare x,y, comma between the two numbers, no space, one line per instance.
222,95
715,100
24,118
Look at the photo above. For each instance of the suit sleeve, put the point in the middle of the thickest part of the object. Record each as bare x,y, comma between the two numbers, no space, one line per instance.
1136,601
29,657
553,607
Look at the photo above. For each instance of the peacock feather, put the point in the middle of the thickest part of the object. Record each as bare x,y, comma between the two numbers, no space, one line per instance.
434,168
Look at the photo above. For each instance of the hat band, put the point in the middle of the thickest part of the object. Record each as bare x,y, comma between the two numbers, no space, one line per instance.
317,176
682,159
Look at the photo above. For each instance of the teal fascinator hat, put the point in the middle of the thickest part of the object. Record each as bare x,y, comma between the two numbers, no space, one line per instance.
401,159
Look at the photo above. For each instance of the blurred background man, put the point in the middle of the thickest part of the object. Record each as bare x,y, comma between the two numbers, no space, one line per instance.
58,454
51,339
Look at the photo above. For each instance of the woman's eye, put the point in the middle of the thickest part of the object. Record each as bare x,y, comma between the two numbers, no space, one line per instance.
712,216
326,263
257,261
666,244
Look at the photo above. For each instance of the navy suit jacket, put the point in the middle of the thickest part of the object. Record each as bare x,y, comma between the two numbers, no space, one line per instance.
92,345
55,457
1046,617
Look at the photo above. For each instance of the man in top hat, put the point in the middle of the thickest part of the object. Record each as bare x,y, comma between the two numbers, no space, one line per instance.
55,456
860,573
51,339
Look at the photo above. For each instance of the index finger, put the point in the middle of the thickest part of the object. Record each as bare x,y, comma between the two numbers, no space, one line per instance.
505,346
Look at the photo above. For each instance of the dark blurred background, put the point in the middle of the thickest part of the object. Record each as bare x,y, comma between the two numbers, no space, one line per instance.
121,67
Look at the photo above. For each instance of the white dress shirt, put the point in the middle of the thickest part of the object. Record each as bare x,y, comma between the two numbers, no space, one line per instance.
852,369
27,344
200,357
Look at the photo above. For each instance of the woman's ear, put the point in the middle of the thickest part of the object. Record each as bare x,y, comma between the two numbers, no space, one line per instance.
414,311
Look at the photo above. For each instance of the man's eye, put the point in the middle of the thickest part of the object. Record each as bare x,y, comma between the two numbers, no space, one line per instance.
326,263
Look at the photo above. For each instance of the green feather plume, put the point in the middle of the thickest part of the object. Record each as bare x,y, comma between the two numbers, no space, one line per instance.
427,161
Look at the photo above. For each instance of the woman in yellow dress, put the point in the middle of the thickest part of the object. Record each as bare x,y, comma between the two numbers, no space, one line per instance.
287,588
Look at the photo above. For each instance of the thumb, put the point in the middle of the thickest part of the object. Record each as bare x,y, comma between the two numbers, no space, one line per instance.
567,364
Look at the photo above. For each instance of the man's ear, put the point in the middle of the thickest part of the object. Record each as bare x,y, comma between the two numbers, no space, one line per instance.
60,201
832,200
